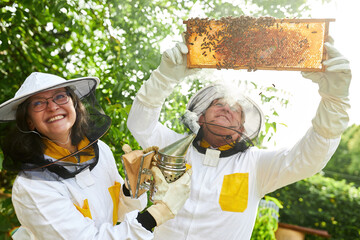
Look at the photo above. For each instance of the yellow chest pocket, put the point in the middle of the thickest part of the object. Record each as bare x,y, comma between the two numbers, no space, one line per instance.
234,192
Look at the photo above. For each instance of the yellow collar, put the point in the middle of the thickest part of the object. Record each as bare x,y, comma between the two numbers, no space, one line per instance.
55,151
205,144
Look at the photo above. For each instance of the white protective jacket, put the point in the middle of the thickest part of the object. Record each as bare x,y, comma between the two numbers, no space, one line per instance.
224,199
49,207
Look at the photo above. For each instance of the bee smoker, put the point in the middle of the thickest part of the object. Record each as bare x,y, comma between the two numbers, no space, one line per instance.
171,159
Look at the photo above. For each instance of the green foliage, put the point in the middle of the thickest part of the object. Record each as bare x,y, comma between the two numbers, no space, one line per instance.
8,218
347,156
257,8
266,222
322,203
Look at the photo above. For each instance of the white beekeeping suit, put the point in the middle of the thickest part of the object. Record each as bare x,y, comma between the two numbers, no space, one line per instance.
227,185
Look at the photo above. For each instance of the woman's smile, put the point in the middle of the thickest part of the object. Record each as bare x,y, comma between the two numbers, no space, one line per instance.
58,117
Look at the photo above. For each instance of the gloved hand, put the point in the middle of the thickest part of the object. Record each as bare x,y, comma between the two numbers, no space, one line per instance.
335,81
173,63
172,70
170,197
128,204
161,185
331,118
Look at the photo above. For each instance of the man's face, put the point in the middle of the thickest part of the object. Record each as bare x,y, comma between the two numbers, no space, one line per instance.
222,119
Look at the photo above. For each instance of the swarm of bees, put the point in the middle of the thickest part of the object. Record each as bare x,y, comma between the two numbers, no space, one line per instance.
256,43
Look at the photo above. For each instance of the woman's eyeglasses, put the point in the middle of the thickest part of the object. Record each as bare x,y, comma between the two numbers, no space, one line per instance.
39,104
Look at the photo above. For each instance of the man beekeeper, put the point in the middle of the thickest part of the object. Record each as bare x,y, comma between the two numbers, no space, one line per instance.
230,175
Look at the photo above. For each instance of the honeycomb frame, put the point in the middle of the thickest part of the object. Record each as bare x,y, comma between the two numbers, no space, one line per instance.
263,43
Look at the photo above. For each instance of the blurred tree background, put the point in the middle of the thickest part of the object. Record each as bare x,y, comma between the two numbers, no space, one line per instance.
347,156
119,42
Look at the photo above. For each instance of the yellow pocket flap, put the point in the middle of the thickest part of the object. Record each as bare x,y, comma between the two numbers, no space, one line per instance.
85,210
234,192
115,194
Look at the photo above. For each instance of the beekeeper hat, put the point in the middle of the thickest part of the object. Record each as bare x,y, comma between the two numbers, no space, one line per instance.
38,82
198,104
99,123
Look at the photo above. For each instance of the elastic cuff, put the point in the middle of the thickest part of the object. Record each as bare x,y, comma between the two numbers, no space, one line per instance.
126,191
146,220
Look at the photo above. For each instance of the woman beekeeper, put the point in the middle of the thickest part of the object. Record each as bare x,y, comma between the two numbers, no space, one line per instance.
68,186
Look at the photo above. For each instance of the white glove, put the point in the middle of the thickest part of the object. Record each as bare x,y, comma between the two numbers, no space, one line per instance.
170,197
172,70
335,81
128,204
161,185
331,118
